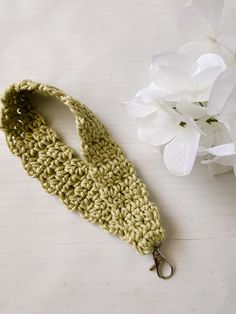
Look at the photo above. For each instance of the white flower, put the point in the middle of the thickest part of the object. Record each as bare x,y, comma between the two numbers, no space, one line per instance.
189,107
200,23
175,77
167,104
178,132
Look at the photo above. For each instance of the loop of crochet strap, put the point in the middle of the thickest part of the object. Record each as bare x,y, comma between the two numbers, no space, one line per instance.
101,185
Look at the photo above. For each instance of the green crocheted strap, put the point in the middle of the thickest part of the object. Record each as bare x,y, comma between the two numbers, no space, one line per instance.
101,184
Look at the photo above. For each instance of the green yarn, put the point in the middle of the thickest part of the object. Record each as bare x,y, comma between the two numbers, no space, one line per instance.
101,184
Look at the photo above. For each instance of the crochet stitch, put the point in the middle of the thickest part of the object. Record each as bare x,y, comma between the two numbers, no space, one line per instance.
101,184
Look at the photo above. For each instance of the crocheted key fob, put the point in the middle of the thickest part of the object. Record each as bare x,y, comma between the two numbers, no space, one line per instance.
101,184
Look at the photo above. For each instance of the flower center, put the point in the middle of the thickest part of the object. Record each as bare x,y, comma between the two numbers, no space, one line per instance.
183,124
212,39
211,120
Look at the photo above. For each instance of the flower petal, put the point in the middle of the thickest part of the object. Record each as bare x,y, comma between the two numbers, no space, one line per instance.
222,150
180,153
175,60
137,108
159,129
204,82
195,49
223,87
193,24
171,80
210,65
206,78
195,111
150,93
208,139
215,134
221,134
228,112
210,60
175,97
203,95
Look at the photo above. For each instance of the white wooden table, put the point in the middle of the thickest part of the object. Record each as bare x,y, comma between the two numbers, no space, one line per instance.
51,260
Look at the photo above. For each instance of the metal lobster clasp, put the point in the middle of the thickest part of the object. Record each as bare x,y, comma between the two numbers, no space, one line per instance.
160,261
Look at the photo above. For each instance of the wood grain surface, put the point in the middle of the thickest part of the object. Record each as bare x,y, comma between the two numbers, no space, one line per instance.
53,261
